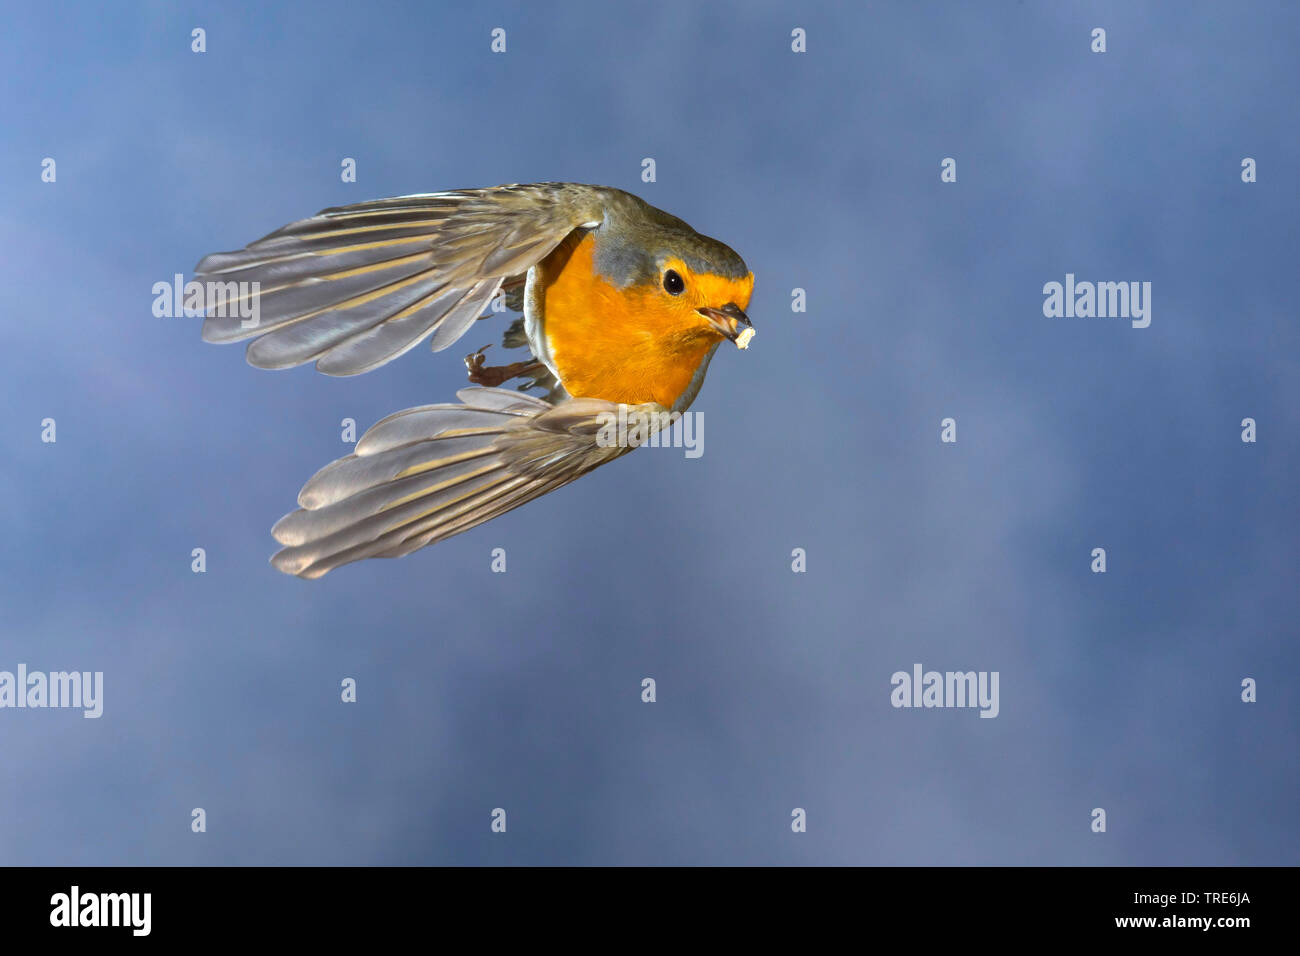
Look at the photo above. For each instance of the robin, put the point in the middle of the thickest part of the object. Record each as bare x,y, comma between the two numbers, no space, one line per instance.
622,308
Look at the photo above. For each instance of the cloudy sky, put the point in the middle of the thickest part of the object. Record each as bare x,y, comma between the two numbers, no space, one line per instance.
522,690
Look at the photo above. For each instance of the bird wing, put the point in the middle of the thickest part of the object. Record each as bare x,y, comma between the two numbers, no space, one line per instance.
427,473
354,287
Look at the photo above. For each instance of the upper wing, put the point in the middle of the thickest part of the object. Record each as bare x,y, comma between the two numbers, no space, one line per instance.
428,473
356,286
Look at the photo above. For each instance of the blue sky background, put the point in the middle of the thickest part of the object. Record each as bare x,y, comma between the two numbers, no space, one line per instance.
522,690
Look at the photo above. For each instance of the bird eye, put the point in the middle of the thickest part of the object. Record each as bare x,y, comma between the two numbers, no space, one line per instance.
673,283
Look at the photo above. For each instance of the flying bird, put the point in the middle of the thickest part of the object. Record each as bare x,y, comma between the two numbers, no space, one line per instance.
623,306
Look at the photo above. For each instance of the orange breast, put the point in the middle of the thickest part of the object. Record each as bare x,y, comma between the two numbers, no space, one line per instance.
621,345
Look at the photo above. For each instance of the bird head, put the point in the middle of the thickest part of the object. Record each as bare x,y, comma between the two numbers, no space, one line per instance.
715,300
691,283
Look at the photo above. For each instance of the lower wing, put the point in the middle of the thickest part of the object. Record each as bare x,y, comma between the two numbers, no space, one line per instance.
427,473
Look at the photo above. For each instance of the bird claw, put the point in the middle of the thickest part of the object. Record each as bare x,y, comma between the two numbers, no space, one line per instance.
474,362
487,375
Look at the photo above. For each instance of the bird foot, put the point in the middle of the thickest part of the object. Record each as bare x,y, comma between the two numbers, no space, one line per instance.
491,376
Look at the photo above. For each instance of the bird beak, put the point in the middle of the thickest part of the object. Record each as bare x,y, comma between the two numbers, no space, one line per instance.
731,322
